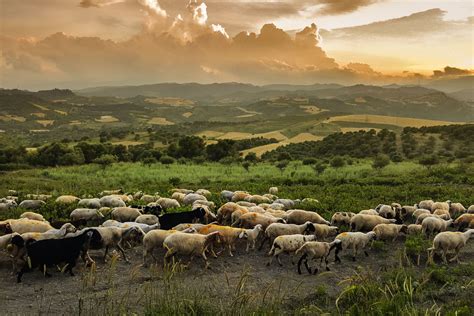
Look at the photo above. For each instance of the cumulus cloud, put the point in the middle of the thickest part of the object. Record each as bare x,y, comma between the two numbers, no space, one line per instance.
98,3
332,7
452,71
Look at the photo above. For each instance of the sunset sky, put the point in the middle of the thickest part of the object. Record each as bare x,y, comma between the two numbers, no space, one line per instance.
74,43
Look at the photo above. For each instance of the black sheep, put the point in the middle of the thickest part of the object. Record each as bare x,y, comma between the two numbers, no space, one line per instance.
49,252
170,220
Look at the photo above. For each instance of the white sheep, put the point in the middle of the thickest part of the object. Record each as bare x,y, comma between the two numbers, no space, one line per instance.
251,236
189,244
273,190
456,208
449,241
275,213
322,231
419,212
31,204
211,205
302,216
185,226
125,214
389,231
277,206
178,196
189,199
442,213
167,203
204,192
111,192
362,222
369,212
251,219
470,210
278,229
185,191
146,198
239,196
422,217
432,225
342,218
257,199
246,203
289,204
24,225
67,199
227,195
111,201
33,216
356,241
287,244
386,211
443,205
316,250
148,219
89,203
7,205
83,215
224,213
414,229
425,204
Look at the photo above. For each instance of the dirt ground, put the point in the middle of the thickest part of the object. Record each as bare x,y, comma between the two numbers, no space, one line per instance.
130,285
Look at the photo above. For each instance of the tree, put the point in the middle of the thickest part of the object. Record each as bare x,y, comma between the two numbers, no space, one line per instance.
319,167
246,166
429,161
167,160
223,148
251,157
105,160
337,162
381,161
190,146
282,165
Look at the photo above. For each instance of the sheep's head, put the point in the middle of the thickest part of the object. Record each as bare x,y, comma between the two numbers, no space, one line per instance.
404,229
281,220
259,227
5,228
309,228
371,235
68,228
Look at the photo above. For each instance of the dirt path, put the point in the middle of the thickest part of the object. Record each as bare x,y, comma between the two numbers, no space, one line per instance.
131,285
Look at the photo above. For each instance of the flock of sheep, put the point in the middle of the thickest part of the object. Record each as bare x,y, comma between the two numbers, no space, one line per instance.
107,222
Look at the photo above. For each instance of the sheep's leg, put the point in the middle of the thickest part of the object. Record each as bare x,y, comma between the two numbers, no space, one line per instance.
366,253
122,252
229,247
70,266
336,257
354,253
270,261
248,246
203,255
105,253
20,274
45,272
443,254
169,253
300,261
265,238
278,259
327,261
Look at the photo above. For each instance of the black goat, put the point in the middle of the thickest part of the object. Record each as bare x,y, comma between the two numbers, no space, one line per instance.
170,220
47,252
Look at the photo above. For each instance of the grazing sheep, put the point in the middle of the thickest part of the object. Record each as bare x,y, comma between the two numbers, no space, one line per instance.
89,203
32,204
228,235
185,191
316,250
470,210
464,221
178,196
275,213
236,215
456,208
148,219
227,195
407,211
442,213
81,216
277,206
185,226
389,231
342,218
67,199
33,216
355,240
369,212
154,239
8,205
190,244
149,198
246,204
111,192
169,220
111,201
449,241
239,196
432,225
251,219
224,213
278,229
23,225
289,204
287,244
422,217
190,198
419,212
386,211
257,199
302,216
322,231
362,222
49,252
273,190
425,204
414,229
251,235
125,214
443,205
204,192
257,209
167,203
271,197
42,197
211,205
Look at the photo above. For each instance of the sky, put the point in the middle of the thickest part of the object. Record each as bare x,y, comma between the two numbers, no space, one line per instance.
84,43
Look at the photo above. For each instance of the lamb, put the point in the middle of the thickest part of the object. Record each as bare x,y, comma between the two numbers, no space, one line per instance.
33,216
81,216
148,219
316,250
355,240
111,201
167,203
251,235
287,244
31,204
189,244
456,208
278,229
369,212
425,204
414,229
302,216
53,251
448,241
273,190
114,237
341,218
251,219
125,214
389,231
89,203
170,220
362,222
386,211
434,225
24,225
189,199
464,221
67,199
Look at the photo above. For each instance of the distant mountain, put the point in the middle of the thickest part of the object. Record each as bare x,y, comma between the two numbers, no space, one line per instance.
450,85
464,95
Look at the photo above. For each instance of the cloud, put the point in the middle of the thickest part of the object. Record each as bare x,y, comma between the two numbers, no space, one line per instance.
333,7
452,71
98,3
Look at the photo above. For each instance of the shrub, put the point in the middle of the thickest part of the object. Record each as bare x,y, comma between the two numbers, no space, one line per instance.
167,160
174,181
337,162
381,161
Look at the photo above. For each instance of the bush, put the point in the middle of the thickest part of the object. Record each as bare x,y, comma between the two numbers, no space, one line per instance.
429,161
167,160
309,161
337,162
105,160
174,181
381,161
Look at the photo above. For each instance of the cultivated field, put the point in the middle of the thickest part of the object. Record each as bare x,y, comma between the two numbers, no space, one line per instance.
389,120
